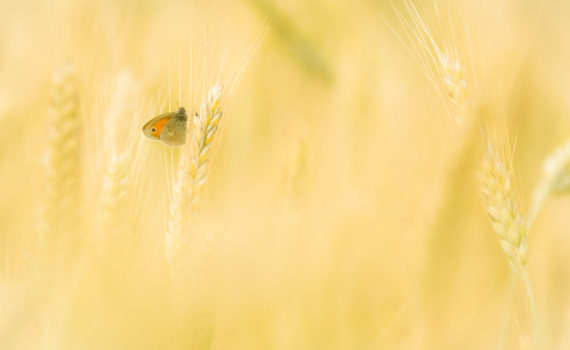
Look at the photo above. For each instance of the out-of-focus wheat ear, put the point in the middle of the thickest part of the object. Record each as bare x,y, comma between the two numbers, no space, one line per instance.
192,174
113,210
62,168
555,179
454,83
501,203
439,61
556,170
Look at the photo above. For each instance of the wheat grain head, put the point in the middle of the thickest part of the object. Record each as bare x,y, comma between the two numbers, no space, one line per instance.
113,210
439,61
192,172
502,206
62,168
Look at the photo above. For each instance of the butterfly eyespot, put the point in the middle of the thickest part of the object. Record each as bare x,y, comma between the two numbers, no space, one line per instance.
153,129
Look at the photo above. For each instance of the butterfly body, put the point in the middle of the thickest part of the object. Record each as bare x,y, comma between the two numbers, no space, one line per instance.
169,128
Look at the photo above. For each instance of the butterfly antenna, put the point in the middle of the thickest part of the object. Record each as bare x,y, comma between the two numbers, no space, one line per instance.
169,86
180,102
179,79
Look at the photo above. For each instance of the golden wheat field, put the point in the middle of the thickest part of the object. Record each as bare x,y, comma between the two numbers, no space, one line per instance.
284,174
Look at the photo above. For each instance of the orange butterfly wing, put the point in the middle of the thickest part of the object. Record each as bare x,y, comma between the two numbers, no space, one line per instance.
159,125
154,127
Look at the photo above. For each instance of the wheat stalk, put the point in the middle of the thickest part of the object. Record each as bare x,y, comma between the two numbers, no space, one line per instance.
192,173
62,167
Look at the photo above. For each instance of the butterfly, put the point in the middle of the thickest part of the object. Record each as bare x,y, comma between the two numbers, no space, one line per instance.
169,128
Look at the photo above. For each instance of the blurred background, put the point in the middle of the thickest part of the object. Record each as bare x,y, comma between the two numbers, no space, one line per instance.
341,212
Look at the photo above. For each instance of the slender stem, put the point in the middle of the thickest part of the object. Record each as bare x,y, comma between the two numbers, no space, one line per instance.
511,285
532,308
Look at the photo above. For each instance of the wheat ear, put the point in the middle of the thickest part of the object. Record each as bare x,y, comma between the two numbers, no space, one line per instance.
62,167
192,173
439,62
502,206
